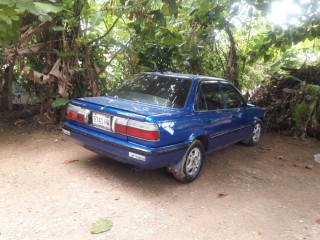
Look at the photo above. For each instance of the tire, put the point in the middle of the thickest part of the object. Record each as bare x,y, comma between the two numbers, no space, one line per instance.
255,136
191,164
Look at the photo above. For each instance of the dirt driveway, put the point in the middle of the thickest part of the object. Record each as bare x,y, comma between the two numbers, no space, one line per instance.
51,188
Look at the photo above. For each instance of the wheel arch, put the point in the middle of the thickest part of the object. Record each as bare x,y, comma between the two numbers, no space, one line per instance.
202,137
259,119
205,142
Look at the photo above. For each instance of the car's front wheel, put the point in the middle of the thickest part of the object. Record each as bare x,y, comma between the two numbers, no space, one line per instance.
255,136
190,166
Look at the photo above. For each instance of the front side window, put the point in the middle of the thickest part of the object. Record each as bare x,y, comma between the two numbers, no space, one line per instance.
209,97
168,91
232,96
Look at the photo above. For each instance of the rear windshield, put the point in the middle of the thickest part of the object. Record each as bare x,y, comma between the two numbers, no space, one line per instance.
158,90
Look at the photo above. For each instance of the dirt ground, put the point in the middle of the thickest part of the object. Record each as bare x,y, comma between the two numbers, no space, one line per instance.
50,188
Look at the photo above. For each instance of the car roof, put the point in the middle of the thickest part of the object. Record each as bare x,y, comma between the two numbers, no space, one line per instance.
188,76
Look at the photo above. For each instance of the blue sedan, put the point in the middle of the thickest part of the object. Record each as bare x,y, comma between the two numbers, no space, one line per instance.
170,120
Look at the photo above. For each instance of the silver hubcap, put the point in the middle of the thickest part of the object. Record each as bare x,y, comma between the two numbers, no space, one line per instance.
256,133
193,161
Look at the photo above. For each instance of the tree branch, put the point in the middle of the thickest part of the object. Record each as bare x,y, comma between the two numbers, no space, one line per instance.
219,57
102,36
112,58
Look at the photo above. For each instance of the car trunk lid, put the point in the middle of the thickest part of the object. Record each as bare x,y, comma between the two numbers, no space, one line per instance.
136,108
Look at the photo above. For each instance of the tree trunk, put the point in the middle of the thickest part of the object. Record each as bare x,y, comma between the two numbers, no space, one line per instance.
232,72
7,95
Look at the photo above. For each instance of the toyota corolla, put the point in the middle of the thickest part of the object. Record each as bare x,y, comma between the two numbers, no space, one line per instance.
169,120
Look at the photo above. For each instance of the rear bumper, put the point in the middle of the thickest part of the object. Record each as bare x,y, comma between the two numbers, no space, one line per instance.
126,152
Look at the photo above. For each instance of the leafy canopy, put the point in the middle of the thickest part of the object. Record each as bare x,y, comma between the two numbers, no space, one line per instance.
13,11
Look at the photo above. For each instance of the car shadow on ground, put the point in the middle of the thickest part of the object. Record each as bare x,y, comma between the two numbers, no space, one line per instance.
125,174
215,169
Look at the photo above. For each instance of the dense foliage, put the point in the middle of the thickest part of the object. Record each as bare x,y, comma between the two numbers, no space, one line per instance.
58,49
292,102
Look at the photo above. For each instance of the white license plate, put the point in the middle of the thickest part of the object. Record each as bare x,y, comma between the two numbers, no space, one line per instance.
101,120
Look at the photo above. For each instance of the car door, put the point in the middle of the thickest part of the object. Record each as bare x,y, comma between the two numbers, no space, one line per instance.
241,124
216,120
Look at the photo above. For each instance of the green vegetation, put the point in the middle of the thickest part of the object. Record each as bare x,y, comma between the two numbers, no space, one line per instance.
300,112
102,225
59,49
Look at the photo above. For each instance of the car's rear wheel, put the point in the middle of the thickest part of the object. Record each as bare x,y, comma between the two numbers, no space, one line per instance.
255,136
191,164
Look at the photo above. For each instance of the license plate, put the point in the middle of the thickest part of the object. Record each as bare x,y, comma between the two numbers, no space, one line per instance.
101,120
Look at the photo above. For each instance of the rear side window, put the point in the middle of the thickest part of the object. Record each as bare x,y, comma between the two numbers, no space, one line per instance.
158,90
232,96
209,97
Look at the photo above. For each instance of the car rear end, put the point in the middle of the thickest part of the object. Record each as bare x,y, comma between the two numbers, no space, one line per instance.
128,131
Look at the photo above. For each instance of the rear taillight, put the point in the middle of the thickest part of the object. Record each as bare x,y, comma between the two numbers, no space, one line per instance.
78,113
143,130
120,125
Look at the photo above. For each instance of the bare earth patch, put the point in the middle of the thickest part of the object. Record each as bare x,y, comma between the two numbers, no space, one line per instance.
53,189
